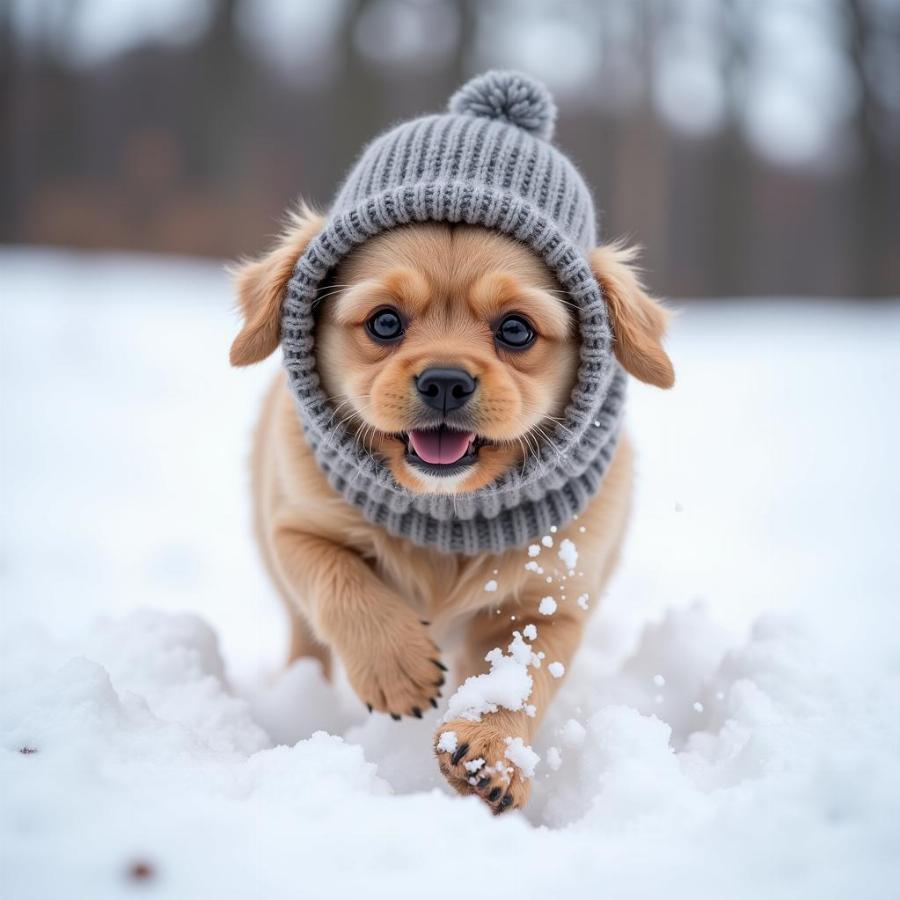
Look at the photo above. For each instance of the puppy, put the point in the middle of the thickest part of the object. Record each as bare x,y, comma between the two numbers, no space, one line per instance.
451,350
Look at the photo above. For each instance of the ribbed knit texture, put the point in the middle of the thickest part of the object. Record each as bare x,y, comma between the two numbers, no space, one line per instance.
488,162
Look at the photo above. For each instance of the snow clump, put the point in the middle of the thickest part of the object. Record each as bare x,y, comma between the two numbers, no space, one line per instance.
554,758
568,554
547,606
521,756
447,742
507,684
573,733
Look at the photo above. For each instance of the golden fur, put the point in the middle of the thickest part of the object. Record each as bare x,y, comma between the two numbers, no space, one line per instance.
374,600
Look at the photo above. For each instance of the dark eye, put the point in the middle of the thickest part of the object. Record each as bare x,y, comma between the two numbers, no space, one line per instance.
385,325
515,333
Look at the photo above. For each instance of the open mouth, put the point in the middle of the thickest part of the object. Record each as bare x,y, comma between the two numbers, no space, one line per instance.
442,450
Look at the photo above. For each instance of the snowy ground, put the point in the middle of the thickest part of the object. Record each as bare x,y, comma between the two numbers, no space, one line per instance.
736,728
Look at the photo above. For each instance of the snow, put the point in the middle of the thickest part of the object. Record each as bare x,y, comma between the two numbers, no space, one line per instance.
553,758
557,669
491,585
447,741
141,644
534,550
507,684
568,554
547,541
530,632
521,756
547,606
572,733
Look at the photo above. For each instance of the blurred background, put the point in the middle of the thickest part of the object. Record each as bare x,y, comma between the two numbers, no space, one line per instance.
752,146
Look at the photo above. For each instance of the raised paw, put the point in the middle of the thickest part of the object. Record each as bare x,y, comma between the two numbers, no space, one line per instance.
472,757
397,671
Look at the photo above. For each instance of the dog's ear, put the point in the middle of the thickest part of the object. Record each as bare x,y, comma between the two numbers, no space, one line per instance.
261,285
638,321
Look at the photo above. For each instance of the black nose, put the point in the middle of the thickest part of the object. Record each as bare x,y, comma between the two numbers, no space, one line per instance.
445,389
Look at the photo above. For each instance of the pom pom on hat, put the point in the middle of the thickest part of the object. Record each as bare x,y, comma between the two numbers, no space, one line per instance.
510,96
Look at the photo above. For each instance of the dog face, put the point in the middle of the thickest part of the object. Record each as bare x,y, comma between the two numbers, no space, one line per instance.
451,349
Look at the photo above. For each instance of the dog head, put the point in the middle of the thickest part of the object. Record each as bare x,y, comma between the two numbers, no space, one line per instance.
451,349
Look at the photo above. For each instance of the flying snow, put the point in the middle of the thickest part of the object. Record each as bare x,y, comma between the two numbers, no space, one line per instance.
568,554
547,606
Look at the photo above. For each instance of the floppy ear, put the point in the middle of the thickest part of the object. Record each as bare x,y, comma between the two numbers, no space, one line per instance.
261,285
638,321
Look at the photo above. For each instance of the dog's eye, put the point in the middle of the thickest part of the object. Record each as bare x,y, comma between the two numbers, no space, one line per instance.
385,325
515,333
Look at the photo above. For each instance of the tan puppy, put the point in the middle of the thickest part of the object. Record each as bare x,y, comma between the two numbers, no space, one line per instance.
408,302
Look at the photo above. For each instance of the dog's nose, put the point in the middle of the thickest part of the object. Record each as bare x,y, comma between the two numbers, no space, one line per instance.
445,389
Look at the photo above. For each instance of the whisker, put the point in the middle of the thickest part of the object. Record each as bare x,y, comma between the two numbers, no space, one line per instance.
560,423
539,431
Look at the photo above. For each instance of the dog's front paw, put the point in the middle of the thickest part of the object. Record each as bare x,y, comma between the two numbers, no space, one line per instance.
401,674
473,757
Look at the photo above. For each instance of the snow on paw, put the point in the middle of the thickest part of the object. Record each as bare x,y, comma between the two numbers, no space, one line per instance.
400,675
474,758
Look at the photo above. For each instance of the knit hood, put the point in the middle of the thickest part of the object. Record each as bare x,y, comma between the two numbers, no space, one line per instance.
488,161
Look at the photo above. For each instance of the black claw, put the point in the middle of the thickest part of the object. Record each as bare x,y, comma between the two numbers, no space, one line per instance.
369,706
425,622
494,794
461,751
417,712
506,801
395,717
441,682
440,665
433,702
483,783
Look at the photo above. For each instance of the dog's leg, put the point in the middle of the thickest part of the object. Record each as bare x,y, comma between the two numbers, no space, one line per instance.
304,643
391,662
498,781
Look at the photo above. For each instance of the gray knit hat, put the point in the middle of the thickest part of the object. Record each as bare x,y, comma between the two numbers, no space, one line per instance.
487,161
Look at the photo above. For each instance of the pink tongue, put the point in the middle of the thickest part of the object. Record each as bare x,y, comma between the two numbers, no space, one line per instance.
440,446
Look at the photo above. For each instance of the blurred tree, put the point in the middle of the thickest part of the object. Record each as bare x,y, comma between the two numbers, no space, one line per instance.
707,128
876,240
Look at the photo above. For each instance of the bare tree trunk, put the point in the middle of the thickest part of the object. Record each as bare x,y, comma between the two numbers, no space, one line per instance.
875,239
